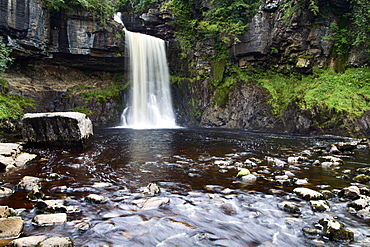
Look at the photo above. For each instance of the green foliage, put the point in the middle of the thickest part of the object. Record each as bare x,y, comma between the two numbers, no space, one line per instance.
136,5
360,18
194,111
222,22
5,58
11,106
348,92
102,10
218,69
231,11
296,7
231,76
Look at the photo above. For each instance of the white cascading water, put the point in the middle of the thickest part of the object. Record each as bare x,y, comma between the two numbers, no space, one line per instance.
150,103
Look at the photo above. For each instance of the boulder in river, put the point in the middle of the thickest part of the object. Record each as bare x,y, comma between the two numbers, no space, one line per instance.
335,230
10,149
56,241
50,219
29,183
351,192
11,227
153,203
308,194
35,194
27,241
330,161
319,205
94,198
56,206
64,129
290,207
152,189
4,191
5,211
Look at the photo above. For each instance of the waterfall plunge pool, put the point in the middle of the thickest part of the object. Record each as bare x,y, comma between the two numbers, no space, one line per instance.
207,205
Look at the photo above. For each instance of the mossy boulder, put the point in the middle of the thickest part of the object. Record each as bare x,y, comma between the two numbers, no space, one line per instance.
362,178
335,230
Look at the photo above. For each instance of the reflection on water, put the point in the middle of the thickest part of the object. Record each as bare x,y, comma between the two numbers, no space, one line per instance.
182,162
146,143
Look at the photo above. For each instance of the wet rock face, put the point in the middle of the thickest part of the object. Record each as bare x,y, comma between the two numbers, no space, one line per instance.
247,109
292,37
33,30
68,129
23,25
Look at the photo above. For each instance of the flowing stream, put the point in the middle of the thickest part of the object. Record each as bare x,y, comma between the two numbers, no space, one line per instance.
207,205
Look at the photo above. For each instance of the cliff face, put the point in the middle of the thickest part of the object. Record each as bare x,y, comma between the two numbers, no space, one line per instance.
59,51
35,32
297,41
291,45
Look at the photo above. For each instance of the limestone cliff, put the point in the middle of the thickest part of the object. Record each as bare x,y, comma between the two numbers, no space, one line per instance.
58,52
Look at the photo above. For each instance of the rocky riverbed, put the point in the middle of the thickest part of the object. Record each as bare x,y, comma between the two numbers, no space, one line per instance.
266,201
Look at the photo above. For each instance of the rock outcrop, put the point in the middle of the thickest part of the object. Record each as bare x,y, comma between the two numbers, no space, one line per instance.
66,129
292,44
33,30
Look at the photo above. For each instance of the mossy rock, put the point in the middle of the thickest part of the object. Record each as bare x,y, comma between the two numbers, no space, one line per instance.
362,178
335,230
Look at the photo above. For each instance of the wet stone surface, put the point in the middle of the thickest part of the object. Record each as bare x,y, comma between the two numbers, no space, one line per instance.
132,187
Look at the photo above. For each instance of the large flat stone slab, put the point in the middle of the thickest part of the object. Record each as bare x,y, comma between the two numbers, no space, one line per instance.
64,129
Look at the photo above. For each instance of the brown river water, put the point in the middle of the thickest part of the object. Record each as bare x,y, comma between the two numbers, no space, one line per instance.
183,164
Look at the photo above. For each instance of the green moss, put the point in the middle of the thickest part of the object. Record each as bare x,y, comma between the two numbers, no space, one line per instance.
194,112
99,94
222,96
4,86
83,109
348,92
217,70
362,178
13,106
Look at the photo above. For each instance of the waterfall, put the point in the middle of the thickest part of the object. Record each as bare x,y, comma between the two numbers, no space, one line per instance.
150,103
